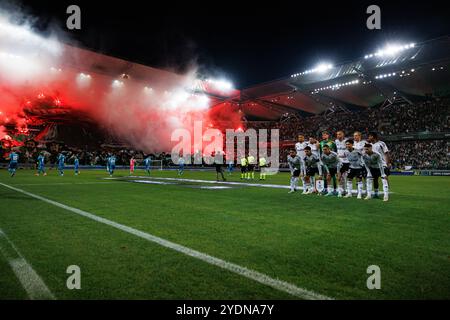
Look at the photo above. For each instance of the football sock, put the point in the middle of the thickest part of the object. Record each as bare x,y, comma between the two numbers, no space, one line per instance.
360,187
349,187
385,186
369,186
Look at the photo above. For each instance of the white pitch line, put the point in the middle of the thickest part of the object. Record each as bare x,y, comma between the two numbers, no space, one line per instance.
237,269
277,186
30,280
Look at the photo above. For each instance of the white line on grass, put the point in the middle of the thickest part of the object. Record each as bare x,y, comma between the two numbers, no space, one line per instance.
248,273
30,280
278,186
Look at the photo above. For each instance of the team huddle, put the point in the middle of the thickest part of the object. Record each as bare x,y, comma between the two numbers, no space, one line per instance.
340,161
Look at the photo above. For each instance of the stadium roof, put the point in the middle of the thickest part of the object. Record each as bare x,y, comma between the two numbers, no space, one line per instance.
414,73
400,73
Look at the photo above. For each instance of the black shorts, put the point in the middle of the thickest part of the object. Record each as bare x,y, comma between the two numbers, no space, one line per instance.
387,171
296,173
218,167
311,172
345,167
13,165
376,173
251,167
364,172
243,169
332,171
355,173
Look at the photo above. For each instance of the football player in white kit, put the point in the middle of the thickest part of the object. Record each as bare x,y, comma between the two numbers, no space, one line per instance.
343,171
358,142
381,148
358,145
314,145
374,165
296,167
315,150
300,148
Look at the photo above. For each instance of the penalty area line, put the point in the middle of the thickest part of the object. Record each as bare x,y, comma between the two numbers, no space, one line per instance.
229,266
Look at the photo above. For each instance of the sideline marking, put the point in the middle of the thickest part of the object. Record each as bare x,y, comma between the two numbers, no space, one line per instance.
29,279
237,269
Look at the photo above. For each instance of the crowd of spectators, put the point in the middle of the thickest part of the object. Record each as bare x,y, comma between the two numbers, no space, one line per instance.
396,119
428,154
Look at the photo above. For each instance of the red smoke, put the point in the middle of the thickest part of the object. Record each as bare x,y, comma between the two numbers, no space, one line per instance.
39,78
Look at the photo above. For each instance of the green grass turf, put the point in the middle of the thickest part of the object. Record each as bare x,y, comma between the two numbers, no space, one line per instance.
320,244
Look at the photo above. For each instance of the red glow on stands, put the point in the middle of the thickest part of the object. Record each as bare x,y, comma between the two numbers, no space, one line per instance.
32,97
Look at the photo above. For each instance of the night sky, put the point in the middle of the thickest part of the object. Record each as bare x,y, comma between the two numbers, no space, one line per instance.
246,43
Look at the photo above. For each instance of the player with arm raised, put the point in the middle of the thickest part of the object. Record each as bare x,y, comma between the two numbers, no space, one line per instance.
312,167
296,168
331,164
381,148
300,149
374,164
356,165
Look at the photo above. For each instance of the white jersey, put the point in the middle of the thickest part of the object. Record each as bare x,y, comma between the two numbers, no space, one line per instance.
359,146
340,146
300,148
381,148
314,149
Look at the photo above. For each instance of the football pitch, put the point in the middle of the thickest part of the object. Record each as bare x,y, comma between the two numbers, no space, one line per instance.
165,238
